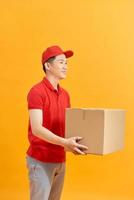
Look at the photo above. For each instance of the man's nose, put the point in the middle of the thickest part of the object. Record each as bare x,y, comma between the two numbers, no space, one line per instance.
65,67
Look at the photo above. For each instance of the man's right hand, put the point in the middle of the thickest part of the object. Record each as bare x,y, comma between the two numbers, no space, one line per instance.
71,145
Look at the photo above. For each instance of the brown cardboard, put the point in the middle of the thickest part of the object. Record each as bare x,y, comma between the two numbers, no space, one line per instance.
102,128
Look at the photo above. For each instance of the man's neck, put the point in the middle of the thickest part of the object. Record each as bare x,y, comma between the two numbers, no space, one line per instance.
54,81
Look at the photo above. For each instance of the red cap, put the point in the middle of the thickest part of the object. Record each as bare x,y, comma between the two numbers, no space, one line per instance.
54,51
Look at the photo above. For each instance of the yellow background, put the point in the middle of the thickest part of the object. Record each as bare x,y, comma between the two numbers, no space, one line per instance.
101,74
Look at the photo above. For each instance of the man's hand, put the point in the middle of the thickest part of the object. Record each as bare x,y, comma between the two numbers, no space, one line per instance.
71,145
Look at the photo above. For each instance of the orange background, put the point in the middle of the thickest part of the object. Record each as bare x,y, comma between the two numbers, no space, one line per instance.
101,74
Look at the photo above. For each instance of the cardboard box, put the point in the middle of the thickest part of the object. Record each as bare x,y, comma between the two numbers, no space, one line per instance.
102,128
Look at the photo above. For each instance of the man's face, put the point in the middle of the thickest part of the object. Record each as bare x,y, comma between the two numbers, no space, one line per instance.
58,67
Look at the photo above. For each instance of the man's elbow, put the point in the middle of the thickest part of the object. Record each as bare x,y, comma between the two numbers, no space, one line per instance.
36,129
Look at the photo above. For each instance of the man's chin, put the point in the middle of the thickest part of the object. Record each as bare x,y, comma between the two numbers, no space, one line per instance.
62,77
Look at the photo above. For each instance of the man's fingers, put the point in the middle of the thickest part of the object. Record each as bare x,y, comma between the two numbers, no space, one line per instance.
79,151
78,139
80,146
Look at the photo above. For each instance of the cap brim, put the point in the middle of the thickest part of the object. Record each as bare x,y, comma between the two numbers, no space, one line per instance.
68,53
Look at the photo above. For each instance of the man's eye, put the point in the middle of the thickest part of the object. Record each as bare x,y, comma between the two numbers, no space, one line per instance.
63,62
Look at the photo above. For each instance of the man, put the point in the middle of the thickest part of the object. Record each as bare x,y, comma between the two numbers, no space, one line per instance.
47,102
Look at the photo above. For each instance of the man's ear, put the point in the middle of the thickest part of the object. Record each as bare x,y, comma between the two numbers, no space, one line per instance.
47,66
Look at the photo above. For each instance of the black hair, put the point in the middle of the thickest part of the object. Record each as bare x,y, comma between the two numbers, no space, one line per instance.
49,60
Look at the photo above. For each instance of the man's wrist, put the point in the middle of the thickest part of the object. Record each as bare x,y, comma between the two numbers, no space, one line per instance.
62,141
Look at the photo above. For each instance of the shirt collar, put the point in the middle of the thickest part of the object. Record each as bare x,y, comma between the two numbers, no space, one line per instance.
50,86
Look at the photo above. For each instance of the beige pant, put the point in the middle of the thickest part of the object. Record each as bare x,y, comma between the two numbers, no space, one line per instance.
45,179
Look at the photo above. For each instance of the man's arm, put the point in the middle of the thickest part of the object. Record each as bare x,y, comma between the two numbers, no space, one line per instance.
70,144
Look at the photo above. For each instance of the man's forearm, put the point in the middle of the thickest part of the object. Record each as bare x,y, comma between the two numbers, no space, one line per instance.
45,134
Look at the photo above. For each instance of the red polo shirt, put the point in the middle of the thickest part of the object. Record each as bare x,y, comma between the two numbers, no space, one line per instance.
53,104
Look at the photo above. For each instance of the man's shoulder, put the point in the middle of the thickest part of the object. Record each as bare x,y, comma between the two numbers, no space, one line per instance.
36,88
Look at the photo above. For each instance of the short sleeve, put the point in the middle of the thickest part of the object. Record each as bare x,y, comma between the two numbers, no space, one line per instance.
34,99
